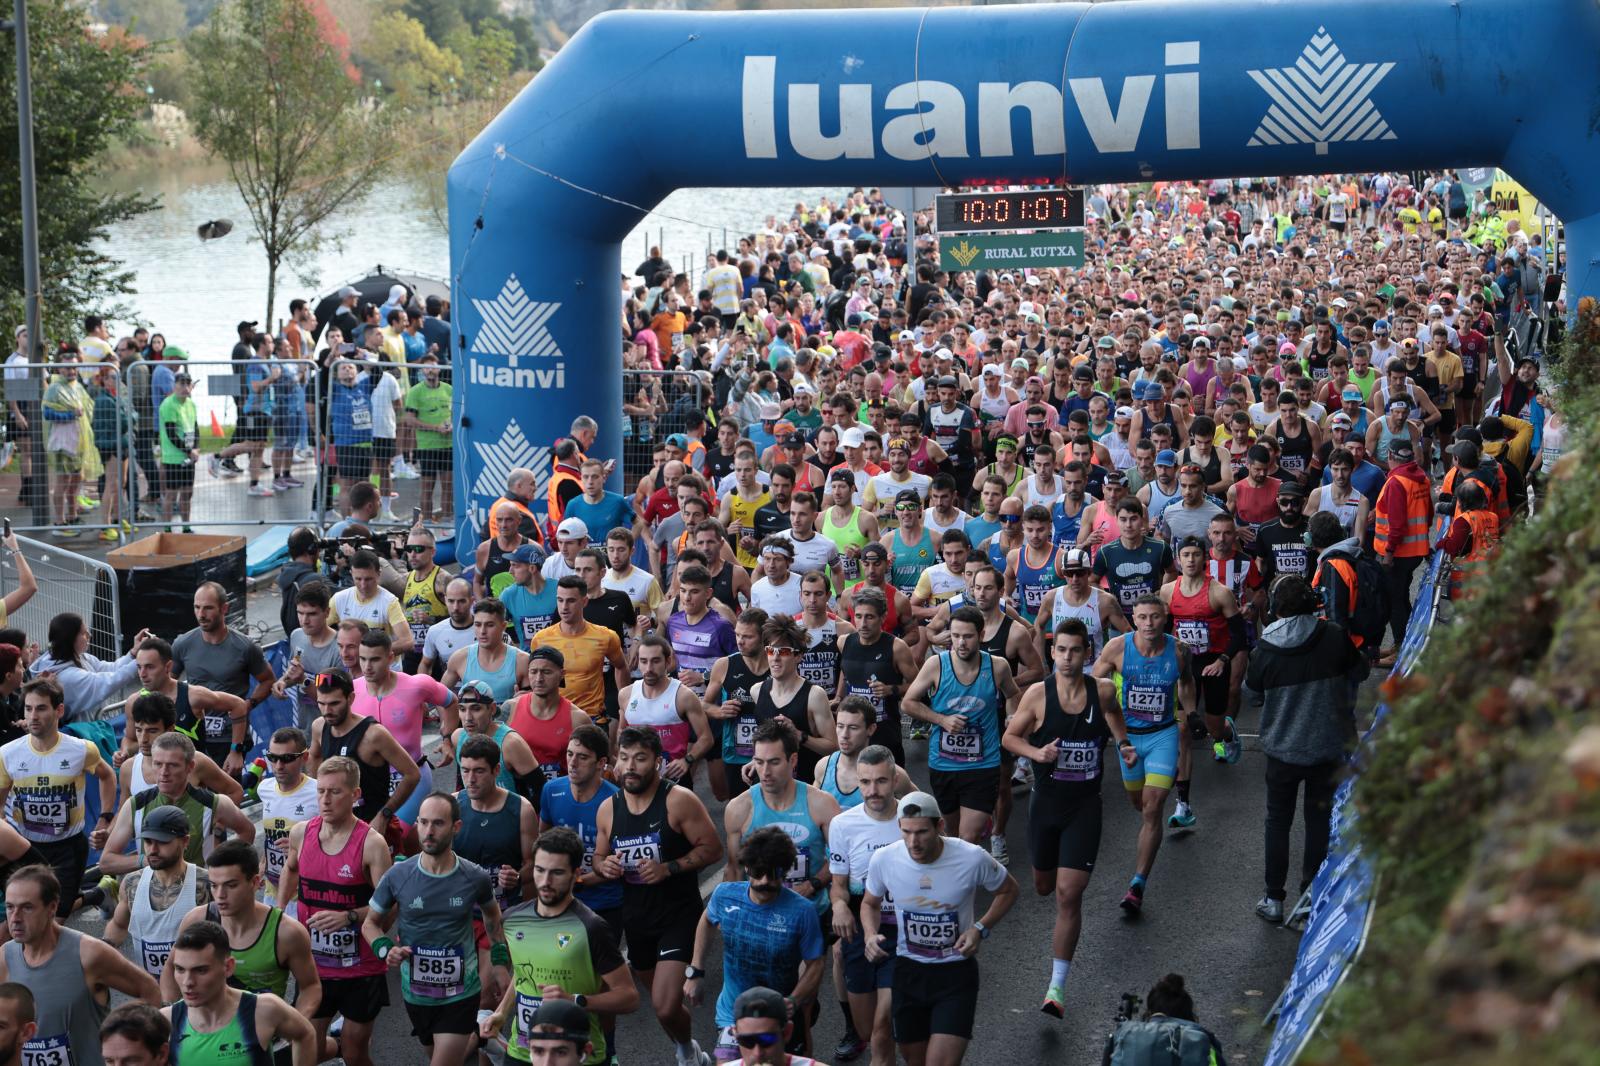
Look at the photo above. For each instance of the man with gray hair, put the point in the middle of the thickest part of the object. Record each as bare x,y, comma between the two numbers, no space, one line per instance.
172,756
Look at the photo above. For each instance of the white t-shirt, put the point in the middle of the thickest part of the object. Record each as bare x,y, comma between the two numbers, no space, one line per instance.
637,586
853,838
934,899
778,599
444,640
818,553
385,394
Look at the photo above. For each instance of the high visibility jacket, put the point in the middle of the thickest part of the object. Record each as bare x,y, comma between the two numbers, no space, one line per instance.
559,475
1485,541
1493,480
529,524
1411,539
1345,582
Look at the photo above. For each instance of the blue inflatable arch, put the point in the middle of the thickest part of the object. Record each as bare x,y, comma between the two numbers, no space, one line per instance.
641,103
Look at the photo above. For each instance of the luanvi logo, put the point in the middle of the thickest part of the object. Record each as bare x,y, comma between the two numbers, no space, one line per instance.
499,458
1321,99
516,327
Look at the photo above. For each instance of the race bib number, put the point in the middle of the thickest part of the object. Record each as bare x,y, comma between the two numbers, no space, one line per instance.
438,973
419,633
929,934
865,692
1291,562
218,727
1077,760
963,746
851,566
274,854
1194,633
1144,704
631,851
801,869
744,735
47,1051
334,948
153,954
530,626
1033,596
1294,464
553,769
361,416
527,1007
46,815
1126,594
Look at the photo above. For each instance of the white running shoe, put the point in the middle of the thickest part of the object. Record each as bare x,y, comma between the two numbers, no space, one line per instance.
999,849
259,489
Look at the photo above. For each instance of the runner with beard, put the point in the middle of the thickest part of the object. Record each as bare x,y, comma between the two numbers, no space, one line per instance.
730,697
877,667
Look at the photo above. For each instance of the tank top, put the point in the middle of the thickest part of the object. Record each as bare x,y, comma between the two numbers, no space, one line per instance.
493,839
1254,506
558,806
68,1014
1385,395
1077,771
1196,622
421,597
1032,495
920,463
505,779
1161,498
907,562
742,512
503,681
154,932
795,711
861,664
546,736
996,644
498,562
722,587
257,968
994,408
1145,425
660,713
649,835
738,736
1088,613
1198,382
1034,581
811,850
197,804
1346,511
337,883
1149,685
1105,520
1234,574
280,813
1064,526
845,536
1295,451
819,663
1386,437
374,780
830,783
977,745
236,1044
1211,469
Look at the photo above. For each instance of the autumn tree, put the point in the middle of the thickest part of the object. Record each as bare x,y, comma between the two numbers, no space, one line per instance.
276,97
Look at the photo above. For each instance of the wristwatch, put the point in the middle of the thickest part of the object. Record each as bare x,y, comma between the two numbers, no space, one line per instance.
983,930
581,1000
692,972
240,748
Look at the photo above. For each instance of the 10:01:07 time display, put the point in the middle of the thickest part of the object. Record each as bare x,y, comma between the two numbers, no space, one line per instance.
1040,209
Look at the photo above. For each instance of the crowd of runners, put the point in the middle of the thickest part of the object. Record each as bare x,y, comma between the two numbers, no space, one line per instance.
931,543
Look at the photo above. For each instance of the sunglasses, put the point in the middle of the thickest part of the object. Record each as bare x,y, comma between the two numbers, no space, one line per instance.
755,1040
284,758
905,508
776,650
1010,518
327,679
415,548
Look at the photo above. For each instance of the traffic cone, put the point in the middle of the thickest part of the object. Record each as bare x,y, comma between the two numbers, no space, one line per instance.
216,426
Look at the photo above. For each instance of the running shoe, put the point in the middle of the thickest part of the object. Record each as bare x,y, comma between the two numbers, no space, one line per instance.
920,730
286,482
129,528
1270,910
259,489
1197,727
304,455
1232,749
1182,817
108,535
999,849
188,529
696,1057
407,472
849,1048
1133,901
66,533
88,503
213,466
230,466
1055,999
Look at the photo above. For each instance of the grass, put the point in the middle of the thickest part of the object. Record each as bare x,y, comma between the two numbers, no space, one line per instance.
1481,802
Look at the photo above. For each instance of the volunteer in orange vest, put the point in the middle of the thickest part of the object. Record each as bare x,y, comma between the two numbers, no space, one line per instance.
1402,514
566,483
1473,537
520,490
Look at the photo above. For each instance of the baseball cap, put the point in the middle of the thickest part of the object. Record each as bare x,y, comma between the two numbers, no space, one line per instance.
1381,326
570,1022
1351,393
1339,420
242,326
1166,457
164,824
20,330
905,335
771,412
1400,449
1292,488
853,318
572,529
759,1002
874,550
1191,319
1123,414
1287,348
475,690
1152,391
1202,341
852,438
678,440
1019,363
804,388
1075,559
349,291
533,554
1115,477
1106,342
819,253
993,371
918,805
793,440
843,474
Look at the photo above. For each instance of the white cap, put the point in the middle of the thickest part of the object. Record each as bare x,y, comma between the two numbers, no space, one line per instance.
919,805
802,387
1075,559
819,253
993,371
1191,319
905,335
852,438
1025,308
771,412
572,529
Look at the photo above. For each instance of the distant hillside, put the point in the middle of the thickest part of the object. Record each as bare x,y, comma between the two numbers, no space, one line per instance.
560,19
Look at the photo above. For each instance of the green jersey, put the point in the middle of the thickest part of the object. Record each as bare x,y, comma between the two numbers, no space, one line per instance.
431,405
573,949
176,423
435,922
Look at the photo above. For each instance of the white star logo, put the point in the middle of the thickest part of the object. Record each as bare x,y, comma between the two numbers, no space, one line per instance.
499,459
513,325
1321,99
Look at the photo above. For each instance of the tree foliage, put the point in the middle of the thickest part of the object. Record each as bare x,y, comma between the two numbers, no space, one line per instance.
87,93
276,96
411,66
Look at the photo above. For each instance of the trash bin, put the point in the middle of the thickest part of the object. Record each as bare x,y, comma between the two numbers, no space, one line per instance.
157,576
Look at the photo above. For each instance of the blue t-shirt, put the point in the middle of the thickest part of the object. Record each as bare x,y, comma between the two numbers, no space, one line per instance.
612,511
350,408
557,807
161,384
257,402
980,529
529,613
761,944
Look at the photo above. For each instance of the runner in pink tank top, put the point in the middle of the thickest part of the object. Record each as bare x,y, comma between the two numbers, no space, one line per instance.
402,707
336,883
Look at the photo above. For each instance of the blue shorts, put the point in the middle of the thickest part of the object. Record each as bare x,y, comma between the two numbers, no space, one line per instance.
1157,762
862,976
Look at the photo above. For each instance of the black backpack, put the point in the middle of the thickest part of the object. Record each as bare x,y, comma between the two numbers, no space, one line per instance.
1370,617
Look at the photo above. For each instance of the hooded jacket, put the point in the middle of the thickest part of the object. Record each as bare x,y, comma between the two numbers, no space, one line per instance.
1301,676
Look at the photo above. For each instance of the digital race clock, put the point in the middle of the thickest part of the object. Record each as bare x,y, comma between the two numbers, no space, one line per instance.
981,212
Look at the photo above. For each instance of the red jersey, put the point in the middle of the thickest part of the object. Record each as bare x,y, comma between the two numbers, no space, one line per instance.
1195,622
1238,575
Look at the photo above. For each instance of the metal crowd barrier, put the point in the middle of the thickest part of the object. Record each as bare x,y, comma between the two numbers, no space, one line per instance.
671,395
51,479
67,581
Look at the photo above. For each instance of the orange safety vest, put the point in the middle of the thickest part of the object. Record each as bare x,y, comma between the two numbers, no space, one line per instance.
1498,499
559,475
1485,541
1347,574
1411,539
494,530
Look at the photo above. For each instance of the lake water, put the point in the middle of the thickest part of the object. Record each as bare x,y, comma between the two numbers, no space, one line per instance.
194,291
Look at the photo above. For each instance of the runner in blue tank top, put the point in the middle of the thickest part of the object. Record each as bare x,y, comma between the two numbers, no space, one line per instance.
1156,682
802,811
1031,569
911,547
573,801
959,693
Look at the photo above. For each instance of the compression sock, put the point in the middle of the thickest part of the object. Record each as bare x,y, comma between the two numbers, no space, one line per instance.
1183,791
1058,972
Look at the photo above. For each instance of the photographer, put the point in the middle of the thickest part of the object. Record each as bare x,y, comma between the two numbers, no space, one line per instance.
299,572
1167,1035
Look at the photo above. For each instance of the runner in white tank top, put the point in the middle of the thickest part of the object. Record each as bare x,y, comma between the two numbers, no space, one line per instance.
660,713
1346,511
1088,613
154,932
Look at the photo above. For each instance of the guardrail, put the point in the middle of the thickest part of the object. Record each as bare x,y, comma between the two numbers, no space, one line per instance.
1338,906
67,582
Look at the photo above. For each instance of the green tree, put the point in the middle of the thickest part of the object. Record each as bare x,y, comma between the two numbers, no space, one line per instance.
410,65
277,98
87,94
155,20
